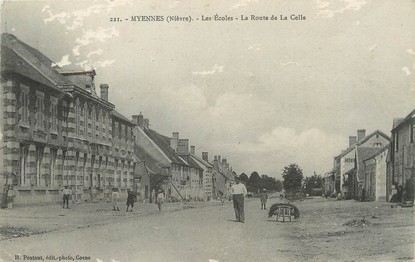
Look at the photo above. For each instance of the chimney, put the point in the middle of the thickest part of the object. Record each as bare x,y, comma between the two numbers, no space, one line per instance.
146,122
88,88
352,140
215,162
219,159
205,156
135,119
140,120
174,141
183,146
176,135
104,91
192,149
361,133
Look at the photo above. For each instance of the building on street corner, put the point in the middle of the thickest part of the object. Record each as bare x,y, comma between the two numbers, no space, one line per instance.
57,131
347,181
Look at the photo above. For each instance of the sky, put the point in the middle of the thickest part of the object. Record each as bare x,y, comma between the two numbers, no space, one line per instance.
262,94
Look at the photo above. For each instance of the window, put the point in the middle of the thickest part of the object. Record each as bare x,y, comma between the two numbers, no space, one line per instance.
40,108
24,101
53,114
85,120
411,133
53,156
24,153
396,142
39,160
77,117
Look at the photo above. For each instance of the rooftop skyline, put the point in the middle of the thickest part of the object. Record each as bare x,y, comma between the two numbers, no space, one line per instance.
263,94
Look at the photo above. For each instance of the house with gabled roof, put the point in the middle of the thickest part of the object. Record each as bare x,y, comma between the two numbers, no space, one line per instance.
207,167
223,177
345,162
375,175
181,177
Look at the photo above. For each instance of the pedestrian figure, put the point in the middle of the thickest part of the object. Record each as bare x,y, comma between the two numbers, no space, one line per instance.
130,200
399,193
393,195
160,199
238,193
115,197
264,197
66,195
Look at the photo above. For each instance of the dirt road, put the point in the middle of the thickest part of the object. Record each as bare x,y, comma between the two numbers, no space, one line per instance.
326,231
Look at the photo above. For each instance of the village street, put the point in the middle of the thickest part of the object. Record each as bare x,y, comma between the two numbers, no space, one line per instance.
328,230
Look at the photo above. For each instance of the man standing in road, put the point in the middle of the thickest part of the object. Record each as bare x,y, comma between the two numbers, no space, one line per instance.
238,194
66,194
160,199
115,197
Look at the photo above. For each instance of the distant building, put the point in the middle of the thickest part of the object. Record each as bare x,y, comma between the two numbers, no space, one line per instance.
346,161
375,175
329,183
222,178
171,172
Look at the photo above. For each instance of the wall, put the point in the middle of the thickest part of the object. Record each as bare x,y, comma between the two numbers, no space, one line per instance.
381,171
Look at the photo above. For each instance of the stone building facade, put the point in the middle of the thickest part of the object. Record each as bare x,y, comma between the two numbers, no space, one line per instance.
57,131
402,152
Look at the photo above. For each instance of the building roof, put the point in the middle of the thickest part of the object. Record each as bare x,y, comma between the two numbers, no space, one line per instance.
163,142
378,152
152,166
362,141
201,160
397,122
118,115
193,163
20,58
363,153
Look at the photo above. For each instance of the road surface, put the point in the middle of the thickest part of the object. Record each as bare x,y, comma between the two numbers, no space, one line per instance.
326,231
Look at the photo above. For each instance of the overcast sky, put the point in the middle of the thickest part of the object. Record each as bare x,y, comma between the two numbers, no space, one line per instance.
263,94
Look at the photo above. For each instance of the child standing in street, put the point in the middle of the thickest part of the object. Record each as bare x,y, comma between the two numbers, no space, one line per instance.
115,197
160,199
264,197
130,200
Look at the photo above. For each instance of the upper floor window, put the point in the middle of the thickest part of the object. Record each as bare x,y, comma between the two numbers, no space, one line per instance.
53,113
24,104
40,108
396,142
77,117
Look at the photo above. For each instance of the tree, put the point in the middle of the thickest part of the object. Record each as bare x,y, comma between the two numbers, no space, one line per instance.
244,178
315,181
254,182
269,183
293,177
278,185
